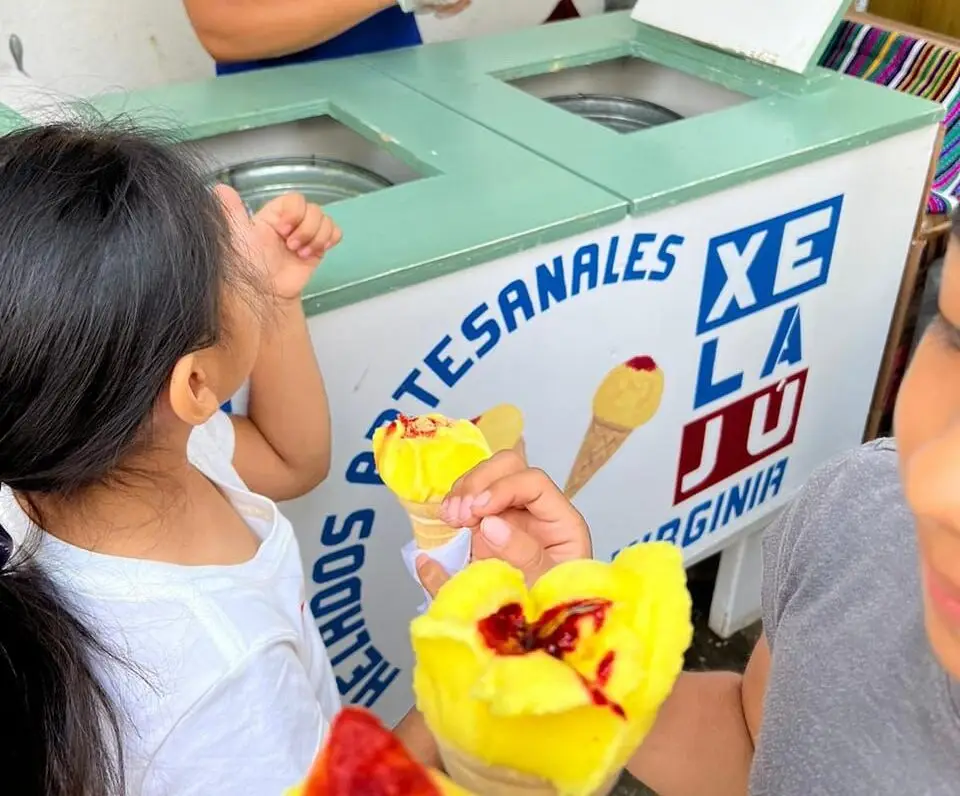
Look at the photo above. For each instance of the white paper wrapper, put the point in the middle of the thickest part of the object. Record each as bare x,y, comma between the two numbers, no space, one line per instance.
453,557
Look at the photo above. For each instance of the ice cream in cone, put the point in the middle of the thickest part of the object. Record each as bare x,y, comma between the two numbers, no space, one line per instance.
420,459
548,691
627,398
361,756
502,426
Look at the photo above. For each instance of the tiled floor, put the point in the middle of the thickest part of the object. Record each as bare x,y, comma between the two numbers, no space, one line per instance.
707,653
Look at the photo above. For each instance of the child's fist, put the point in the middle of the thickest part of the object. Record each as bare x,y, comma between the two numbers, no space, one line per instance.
296,234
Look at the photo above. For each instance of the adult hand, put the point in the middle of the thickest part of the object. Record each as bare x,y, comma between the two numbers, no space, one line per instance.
517,514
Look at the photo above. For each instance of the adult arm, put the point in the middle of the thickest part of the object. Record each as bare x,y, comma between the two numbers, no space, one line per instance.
413,733
702,743
240,30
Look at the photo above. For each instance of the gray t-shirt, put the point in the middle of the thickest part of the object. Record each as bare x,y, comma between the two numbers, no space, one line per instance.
856,703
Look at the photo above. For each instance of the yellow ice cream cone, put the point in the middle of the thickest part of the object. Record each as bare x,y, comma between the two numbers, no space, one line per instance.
550,690
429,530
628,397
486,780
419,459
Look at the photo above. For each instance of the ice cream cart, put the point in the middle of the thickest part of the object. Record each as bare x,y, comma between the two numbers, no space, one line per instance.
772,206
459,210
678,324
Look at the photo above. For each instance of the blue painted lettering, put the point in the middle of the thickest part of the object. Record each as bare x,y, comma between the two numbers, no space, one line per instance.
377,683
338,563
786,348
756,267
513,298
335,597
473,330
637,250
359,522
410,387
716,512
669,531
774,480
610,275
361,641
586,263
360,672
341,626
696,525
707,389
551,283
362,469
442,365
667,257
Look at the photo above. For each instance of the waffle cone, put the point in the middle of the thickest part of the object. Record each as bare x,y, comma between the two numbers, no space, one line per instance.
429,531
483,779
601,441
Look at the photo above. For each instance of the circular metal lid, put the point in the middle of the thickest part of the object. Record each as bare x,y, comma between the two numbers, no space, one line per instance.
621,114
322,180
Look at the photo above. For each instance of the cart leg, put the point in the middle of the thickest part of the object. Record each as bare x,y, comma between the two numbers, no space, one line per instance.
736,595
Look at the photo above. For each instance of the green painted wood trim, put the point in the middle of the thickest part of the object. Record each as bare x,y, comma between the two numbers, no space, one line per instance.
790,121
481,196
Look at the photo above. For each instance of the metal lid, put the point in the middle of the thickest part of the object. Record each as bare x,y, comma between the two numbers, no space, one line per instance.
322,180
621,114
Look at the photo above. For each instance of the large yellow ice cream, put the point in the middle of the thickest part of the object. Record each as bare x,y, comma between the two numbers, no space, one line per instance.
561,681
630,394
420,458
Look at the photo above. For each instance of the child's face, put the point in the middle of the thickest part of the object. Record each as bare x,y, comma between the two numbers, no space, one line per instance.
928,439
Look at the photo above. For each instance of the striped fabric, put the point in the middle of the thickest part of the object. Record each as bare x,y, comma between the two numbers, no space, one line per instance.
914,66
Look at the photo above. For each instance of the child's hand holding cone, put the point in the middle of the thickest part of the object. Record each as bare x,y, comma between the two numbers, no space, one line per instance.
419,459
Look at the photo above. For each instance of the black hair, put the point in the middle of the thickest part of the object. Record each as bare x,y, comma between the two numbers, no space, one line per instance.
113,256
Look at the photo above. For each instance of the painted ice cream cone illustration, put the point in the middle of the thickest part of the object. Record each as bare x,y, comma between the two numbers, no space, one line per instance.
419,459
502,426
627,398
548,691
361,756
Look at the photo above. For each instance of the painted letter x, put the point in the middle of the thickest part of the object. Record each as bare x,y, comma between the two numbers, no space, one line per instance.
736,265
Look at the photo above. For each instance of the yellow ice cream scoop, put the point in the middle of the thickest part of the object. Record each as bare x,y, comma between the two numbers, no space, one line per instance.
630,393
551,690
420,458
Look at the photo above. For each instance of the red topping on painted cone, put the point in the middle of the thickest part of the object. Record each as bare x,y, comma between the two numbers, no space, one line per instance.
641,363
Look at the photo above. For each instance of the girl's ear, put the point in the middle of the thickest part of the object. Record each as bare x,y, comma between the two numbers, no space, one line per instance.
192,396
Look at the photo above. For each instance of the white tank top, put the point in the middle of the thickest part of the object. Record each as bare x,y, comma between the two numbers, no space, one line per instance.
230,690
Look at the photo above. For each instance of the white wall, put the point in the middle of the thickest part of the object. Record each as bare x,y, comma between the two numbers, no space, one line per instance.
83,47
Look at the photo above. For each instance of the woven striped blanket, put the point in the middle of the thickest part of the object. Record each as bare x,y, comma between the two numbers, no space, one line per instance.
914,66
